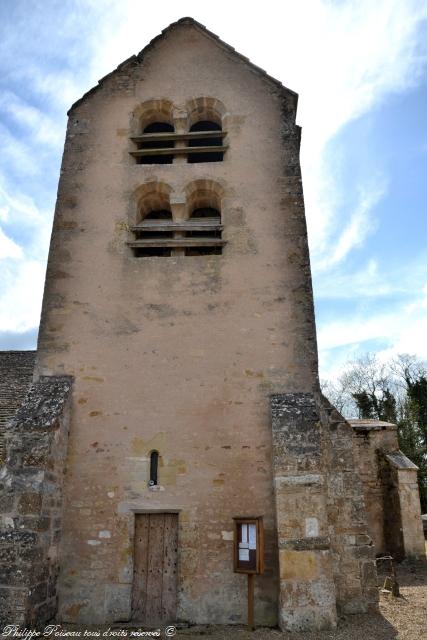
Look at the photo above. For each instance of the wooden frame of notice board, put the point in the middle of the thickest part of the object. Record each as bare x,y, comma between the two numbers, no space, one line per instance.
249,545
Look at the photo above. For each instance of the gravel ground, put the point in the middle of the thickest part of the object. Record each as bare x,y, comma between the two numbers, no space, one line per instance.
402,618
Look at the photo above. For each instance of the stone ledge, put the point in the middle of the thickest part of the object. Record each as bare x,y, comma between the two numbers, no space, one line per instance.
306,480
306,544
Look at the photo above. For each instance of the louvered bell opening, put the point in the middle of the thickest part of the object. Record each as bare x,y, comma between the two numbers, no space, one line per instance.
205,125
143,232
157,127
210,217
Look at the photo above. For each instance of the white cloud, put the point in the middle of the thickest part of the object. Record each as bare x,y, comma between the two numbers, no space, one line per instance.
59,87
343,59
8,248
404,329
17,154
361,224
41,128
21,295
20,207
366,282
399,282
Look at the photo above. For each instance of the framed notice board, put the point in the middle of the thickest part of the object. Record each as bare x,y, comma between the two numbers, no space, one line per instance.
248,545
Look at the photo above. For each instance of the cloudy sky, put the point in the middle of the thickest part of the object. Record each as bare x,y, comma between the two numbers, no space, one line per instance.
360,68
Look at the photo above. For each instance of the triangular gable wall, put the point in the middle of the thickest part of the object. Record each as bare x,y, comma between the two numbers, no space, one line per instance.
139,58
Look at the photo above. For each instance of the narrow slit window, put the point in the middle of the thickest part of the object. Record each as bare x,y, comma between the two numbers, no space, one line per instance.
154,465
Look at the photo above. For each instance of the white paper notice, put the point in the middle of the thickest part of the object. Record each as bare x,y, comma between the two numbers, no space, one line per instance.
244,555
252,536
244,532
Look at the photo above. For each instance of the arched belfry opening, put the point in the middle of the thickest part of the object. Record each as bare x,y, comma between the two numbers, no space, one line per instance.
153,132
163,227
204,201
152,232
156,143
206,133
210,136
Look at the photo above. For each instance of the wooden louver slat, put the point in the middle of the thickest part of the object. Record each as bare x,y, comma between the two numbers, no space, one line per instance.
200,224
191,135
177,242
177,151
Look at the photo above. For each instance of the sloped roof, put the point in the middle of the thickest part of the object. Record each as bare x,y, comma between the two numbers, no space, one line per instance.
370,424
16,374
400,461
137,59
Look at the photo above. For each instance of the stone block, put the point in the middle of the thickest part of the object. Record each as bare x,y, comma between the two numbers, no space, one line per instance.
118,601
30,503
298,565
38,594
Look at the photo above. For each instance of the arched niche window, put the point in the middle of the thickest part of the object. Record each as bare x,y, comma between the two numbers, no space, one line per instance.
154,468
194,229
208,138
207,228
204,223
152,138
152,231
202,140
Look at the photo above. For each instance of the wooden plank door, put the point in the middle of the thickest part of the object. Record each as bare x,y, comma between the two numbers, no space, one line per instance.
155,568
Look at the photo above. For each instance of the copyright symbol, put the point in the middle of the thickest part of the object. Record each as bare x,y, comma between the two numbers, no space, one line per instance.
170,631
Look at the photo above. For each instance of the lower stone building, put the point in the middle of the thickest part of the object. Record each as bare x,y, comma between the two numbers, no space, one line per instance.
175,436
314,450
390,488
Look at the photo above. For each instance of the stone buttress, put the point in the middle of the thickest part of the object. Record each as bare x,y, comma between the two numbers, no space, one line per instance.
326,558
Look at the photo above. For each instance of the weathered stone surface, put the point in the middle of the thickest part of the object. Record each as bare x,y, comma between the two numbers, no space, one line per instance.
138,334
31,496
327,505
391,493
16,374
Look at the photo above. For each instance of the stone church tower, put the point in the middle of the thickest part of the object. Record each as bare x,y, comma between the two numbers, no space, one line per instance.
178,308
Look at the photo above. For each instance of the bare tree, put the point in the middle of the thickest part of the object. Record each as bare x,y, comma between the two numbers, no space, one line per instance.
395,391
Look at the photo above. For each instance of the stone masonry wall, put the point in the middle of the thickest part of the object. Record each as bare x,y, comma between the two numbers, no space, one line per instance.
369,440
16,374
390,487
403,531
352,549
325,555
31,503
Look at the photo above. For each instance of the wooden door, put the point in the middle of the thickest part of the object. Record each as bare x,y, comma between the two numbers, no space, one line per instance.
155,568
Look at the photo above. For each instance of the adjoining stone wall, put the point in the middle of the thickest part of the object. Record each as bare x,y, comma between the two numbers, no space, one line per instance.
405,519
16,374
351,545
31,503
325,555
390,487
